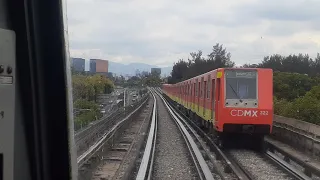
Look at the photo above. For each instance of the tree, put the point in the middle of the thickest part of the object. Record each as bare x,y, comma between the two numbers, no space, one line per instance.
219,57
85,90
291,85
179,71
316,66
182,70
87,111
88,87
300,63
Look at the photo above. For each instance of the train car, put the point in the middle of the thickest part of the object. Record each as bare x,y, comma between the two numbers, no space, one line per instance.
230,102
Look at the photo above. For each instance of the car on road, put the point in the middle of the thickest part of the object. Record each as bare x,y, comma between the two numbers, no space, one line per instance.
103,111
110,101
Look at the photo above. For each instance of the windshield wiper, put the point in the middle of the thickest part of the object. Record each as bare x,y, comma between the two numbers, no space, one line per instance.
235,93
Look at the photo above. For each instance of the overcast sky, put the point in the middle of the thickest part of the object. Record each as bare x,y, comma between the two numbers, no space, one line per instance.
159,32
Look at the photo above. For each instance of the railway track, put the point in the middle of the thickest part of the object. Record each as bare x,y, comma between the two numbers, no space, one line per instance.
87,137
161,166
182,150
89,155
118,160
243,164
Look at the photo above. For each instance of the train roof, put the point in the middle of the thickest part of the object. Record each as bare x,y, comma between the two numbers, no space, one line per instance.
212,71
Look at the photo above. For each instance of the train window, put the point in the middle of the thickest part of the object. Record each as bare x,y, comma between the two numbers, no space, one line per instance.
241,84
209,87
196,86
201,91
213,89
186,89
193,89
183,89
200,86
205,89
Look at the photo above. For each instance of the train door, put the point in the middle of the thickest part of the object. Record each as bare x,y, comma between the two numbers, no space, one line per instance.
194,96
208,97
199,94
188,96
213,90
204,98
185,95
181,94
217,101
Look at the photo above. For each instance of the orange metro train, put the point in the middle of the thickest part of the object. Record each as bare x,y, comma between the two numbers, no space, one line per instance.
230,102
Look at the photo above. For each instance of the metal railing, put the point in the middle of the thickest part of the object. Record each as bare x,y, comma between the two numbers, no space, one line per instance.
105,136
86,137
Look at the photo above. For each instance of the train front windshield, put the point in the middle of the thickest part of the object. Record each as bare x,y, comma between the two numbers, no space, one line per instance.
241,84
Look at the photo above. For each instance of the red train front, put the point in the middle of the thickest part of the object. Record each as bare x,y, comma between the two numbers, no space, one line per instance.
232,102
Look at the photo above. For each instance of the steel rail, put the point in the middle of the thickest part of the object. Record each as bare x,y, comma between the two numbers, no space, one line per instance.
146,164
201,165
286,166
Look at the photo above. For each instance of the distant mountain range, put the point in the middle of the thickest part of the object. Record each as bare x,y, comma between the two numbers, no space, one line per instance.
130,69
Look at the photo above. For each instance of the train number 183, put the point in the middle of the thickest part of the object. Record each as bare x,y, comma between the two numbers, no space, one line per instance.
263,113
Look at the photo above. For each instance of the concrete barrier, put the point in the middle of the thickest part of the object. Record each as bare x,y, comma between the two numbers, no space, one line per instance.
299,134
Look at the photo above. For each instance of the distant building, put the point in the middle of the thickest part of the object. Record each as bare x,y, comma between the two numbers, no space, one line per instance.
99,66
156,71
78,64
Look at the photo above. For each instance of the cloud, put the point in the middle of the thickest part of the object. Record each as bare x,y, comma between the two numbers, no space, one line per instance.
160,32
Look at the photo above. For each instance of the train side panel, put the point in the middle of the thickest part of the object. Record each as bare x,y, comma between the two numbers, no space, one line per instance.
205,95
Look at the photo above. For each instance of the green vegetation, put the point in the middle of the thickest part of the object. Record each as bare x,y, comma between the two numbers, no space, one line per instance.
85,89
182,70
297,96
86,111
144,79
88,87
296,79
